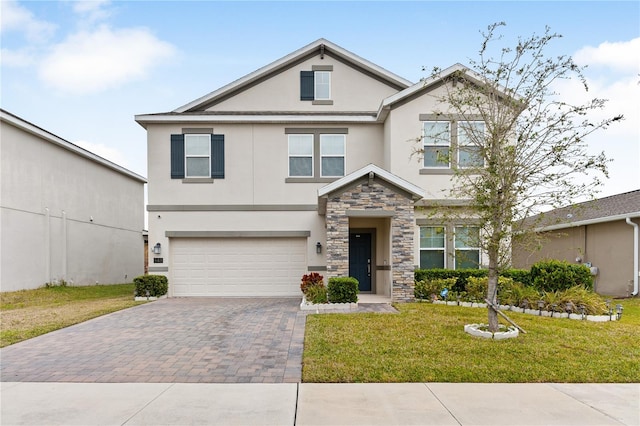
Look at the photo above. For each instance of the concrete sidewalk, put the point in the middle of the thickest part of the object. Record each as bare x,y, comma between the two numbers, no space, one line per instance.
28,403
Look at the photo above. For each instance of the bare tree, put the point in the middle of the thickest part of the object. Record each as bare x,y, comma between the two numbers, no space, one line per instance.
530,150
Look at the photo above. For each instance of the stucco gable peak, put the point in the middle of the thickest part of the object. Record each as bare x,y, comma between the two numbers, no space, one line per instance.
320,46
372,171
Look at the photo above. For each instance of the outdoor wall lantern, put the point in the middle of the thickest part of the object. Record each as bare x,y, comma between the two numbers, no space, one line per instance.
157,248
318,247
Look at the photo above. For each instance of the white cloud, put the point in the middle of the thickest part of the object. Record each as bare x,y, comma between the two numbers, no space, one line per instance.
16,58
612,75
620,56
105,152
14,17
92,10
90,62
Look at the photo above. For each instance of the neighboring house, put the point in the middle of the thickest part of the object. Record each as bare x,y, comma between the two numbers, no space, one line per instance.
602,234
65,213
305,165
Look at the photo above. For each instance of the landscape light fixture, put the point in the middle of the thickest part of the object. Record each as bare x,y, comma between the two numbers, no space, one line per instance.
318,247
157,249
582,311
540,306
619,309
553,308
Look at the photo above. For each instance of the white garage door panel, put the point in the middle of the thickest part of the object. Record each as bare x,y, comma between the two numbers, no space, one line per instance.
237,267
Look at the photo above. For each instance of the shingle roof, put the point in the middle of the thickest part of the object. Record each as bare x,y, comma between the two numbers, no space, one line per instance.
607,209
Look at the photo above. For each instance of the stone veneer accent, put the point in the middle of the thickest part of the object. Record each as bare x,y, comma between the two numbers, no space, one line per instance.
373,195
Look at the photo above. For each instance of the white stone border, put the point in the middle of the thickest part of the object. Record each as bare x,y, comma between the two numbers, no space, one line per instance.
593,318
474,330
347,307
148,299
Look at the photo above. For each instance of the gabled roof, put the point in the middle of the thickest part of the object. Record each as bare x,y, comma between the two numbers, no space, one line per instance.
607,209
320,46
24,125
415,191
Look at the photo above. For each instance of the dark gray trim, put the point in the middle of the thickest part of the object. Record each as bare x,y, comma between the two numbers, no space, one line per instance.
441,222
383,267
158,269
309,180
231,207
318,130
197,180
316,268
322,102
197,131
321,67
437,171
449,117
237,234
370,213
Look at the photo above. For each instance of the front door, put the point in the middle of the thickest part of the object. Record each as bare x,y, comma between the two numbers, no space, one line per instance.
360,259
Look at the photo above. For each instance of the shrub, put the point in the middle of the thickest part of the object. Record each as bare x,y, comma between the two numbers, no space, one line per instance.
461,276
477,288
522,276
343,290
578,296
313,279
156,285
426,289
316,294
554,275
515,293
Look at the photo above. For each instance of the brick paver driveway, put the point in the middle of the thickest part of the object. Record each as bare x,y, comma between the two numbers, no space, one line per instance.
180,340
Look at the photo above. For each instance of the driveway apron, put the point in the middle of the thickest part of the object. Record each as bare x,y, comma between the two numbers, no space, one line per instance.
177,340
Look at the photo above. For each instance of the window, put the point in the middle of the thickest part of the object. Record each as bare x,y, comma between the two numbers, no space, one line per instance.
315,85
332,149
469,154
432,247
467,251
197,155
197,150
300,155
322,87
436,143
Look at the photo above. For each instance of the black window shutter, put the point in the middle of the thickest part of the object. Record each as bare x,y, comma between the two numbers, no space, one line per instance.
177,156
306,85
217,156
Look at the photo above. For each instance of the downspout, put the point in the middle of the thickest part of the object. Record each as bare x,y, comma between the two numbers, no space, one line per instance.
64,245
47,245
635,256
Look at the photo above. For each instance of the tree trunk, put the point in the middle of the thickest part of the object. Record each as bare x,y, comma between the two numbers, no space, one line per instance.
492,289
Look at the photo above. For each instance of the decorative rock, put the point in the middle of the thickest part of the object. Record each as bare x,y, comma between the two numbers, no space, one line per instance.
474,330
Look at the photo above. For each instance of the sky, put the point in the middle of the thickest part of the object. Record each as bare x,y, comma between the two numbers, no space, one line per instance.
83,69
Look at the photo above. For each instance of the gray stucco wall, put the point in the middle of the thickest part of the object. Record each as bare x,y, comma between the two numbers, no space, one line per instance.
65,216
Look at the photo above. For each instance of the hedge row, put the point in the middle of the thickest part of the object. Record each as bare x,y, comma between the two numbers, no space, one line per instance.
549,275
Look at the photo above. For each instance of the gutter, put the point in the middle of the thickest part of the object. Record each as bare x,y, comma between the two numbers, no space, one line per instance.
635,255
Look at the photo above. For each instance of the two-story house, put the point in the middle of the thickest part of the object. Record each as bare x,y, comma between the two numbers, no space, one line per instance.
305,165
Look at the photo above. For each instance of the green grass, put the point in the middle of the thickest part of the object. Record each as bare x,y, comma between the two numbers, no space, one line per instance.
29,313
426,343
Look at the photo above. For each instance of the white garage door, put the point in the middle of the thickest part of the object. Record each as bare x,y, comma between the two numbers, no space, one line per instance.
237,266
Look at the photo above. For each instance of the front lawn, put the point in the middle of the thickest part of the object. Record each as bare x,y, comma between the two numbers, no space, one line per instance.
29,313
426,343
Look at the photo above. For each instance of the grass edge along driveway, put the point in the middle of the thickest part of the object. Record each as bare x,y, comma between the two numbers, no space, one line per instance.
426,343
29,313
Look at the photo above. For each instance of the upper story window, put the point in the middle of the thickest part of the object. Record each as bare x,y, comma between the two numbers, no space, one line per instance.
322,80
436,143
448,144
316,154
315,85
432,247
197,156
467,250
197,150
332,150
301,155
469,153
